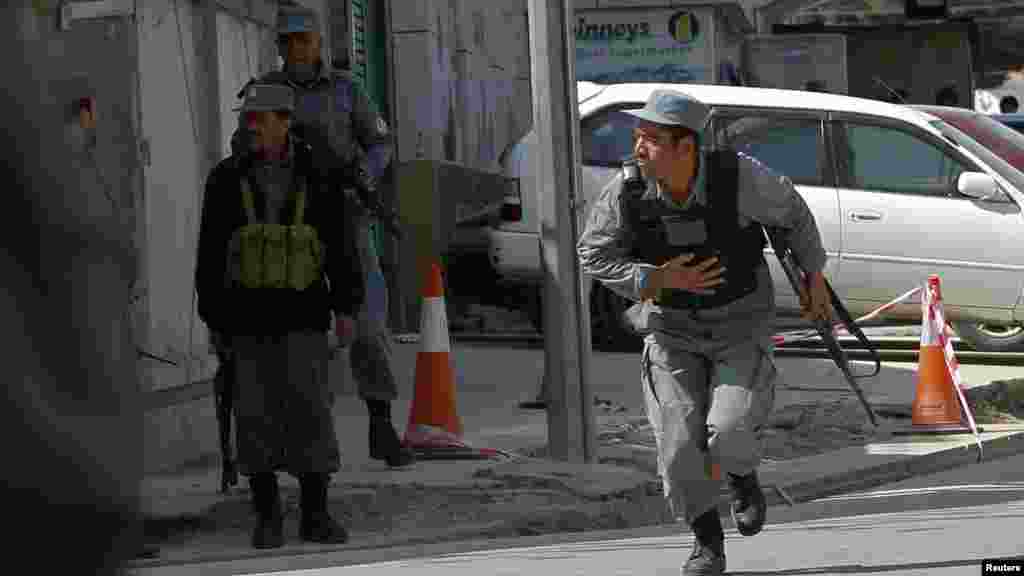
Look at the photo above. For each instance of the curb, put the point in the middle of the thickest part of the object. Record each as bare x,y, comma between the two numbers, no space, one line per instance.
873,476
848,481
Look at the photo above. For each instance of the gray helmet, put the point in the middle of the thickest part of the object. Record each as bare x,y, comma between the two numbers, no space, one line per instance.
268,96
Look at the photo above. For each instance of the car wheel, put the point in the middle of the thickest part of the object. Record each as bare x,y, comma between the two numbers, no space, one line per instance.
608,328
992,337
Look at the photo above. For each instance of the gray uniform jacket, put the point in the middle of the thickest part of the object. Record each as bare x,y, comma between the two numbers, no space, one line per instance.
765,197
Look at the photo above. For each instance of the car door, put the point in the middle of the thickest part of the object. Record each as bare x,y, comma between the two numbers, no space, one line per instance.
904,220
793,144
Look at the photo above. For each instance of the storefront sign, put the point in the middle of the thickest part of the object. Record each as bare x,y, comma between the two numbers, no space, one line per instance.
658,45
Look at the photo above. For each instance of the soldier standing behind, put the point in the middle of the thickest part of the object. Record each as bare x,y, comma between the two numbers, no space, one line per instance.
332,108
276,258
688,245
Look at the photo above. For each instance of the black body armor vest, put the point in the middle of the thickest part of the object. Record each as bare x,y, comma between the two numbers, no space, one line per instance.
659,232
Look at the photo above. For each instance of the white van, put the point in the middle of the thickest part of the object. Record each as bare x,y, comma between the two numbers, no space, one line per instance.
888,189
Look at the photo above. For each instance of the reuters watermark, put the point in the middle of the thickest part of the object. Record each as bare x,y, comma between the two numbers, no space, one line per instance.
1003,566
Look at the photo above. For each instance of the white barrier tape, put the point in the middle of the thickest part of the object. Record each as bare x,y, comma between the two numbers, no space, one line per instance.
938,318
838,326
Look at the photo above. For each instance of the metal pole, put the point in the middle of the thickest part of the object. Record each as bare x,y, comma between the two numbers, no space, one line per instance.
555,118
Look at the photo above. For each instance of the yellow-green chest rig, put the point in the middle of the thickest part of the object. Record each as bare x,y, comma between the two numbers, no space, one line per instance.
275,255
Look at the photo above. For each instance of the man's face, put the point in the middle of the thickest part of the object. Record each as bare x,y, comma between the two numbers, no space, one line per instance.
657,151
302,48
268,130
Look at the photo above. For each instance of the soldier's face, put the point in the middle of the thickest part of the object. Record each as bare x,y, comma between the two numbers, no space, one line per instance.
659,153
303,48
268,130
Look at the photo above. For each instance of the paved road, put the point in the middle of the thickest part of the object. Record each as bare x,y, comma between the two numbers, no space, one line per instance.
943,524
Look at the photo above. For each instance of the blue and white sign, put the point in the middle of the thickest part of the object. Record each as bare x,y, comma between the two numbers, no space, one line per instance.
657,45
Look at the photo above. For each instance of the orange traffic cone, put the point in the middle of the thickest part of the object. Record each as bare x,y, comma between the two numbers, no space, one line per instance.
936,405
434,430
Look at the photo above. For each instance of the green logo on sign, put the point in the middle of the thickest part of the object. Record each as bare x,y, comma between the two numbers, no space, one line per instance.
684,27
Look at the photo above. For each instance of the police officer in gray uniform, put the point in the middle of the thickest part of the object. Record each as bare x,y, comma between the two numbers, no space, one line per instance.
331,107
686,245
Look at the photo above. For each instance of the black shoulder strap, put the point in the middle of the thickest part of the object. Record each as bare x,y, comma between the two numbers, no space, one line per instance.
722,182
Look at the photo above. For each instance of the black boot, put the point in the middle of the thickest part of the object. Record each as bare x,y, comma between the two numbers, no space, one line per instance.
708,557
316,524
269,531
749,507
384,442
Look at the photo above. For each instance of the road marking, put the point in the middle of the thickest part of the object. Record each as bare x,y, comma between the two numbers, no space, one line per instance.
975,488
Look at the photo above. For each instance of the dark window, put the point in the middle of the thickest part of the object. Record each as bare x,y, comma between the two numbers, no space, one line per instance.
891,160
790,146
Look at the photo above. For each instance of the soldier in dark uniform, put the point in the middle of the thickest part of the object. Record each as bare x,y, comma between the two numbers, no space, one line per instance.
332,107
276,259
687,247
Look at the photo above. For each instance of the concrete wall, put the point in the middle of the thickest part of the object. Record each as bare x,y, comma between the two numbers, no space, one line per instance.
194,57
461,83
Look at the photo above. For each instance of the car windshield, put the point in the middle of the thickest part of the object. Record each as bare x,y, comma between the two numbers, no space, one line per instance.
1004,169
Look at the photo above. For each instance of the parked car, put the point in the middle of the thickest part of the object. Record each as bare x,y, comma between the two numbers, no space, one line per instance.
1001,336
894,197
1015,121
1005,142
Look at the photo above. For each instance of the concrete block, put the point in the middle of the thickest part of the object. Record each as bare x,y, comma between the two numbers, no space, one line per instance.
523,94
468,107
518,47
417,16
180,435
470,17
417,128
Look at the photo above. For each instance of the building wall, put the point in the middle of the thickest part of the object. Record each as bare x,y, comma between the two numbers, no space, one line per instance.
461,80
194,58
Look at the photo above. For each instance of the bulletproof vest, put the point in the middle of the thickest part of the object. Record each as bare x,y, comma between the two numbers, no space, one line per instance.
265,255
660,232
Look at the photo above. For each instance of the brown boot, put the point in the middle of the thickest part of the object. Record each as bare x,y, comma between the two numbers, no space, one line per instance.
269,532
316,524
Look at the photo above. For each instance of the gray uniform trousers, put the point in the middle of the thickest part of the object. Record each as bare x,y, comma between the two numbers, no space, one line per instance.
370,354
704,407
282,404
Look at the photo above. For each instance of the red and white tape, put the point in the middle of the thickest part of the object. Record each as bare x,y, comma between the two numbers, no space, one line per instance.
838,327
931,307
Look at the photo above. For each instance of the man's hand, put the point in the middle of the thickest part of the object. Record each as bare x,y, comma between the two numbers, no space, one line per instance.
679,274
344,329
814,298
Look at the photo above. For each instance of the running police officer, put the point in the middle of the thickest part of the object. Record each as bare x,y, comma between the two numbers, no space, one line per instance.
687,248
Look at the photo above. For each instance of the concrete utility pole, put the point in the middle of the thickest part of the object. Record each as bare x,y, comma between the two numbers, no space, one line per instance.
566,321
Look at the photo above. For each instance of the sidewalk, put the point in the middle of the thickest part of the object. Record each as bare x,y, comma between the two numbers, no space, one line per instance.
820,446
